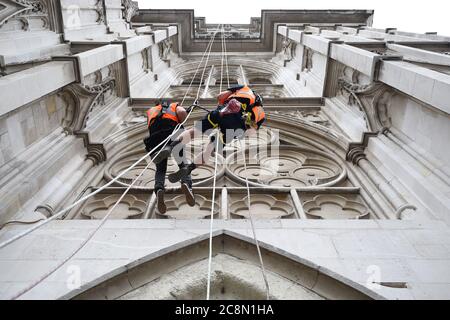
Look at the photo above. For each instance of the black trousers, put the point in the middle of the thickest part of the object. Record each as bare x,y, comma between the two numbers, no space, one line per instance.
159,131
160,175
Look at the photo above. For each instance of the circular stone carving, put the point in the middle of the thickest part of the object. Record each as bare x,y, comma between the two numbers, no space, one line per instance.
201,176
328,206
263,206
261,138
254,173
288,167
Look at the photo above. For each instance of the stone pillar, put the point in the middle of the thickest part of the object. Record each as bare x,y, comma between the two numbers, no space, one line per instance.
95,156
402,208
52,202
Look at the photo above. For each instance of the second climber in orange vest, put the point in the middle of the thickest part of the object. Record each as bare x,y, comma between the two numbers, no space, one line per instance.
239,109
161,121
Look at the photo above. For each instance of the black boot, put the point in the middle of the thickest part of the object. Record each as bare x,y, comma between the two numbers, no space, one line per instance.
165,152
160,199
189,194
182,173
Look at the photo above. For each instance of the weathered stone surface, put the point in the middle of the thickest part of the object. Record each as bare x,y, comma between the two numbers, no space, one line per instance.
349,177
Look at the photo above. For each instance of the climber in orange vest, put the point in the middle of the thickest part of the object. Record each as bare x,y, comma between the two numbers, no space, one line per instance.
161,121
239,109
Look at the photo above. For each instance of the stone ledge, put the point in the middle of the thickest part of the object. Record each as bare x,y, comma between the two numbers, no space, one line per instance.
21,88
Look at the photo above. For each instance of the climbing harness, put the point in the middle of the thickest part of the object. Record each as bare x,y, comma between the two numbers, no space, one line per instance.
162,111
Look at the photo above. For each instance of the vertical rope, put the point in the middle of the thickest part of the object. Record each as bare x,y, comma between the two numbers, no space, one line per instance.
226,57
253,225
208,285
208,290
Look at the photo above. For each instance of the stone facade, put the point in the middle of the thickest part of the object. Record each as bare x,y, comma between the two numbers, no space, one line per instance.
357,195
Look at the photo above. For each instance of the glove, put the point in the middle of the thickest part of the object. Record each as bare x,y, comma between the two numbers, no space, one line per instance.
233,106
147,144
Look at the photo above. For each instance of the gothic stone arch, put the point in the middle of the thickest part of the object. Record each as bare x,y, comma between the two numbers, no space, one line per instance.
180,272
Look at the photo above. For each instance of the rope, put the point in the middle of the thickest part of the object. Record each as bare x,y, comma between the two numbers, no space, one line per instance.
91,235
19,222
62,211
208,290
208,285
266,283
248,193
221,62
253,225
226,57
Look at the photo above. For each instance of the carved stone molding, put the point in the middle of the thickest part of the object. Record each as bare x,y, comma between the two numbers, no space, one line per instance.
372,99
145,59
131,9
355,151
288,49
355,154
119,72
96,151
307,63
81,100
165,48
23,10
314,116
100,10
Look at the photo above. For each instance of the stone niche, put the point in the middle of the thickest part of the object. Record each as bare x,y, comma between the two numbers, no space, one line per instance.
236,274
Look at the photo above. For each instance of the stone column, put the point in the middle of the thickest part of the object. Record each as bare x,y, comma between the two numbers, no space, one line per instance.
401,206
56,199
52,202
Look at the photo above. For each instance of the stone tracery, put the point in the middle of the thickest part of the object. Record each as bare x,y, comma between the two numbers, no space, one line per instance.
290,167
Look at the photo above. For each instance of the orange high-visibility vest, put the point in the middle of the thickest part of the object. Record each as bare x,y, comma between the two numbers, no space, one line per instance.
259,113
244,92
157,111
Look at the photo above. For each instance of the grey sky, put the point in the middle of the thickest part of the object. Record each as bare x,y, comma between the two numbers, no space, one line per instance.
411,15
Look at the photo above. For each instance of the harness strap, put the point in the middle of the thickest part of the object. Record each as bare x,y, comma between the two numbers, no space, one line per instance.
215,125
